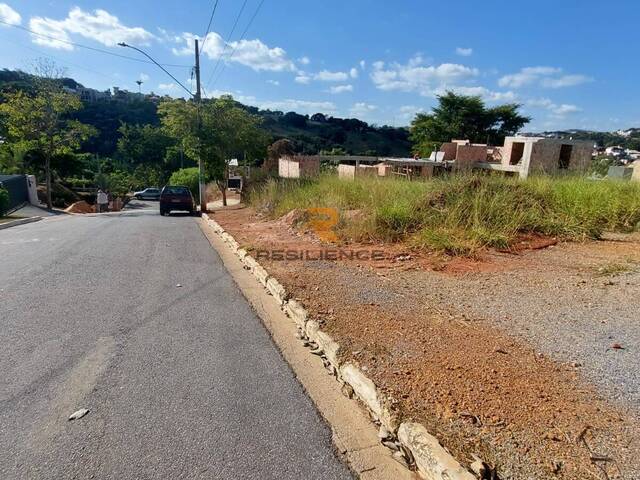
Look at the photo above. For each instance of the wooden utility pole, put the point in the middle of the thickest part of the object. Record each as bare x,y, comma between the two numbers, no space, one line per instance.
198,98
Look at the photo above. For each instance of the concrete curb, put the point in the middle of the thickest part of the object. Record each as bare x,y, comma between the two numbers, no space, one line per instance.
410,443
20,221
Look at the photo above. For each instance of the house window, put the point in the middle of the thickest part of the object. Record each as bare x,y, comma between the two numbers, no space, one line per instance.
517,151
565,156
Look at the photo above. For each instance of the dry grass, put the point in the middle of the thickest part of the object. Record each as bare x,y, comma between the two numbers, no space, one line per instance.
461,214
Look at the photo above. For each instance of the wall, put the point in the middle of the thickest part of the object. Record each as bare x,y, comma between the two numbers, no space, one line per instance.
546,154
450,149
468,155
288,168
349,172
298,167
16,185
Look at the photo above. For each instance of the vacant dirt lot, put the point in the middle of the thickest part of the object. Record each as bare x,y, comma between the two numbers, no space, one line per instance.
527,360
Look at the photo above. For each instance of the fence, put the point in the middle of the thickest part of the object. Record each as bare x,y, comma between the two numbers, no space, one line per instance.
16,185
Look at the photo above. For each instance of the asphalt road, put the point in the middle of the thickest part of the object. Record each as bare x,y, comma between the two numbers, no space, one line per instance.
181,382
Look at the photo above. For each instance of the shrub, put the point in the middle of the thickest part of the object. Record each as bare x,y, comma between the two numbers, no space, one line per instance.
187,177
4,202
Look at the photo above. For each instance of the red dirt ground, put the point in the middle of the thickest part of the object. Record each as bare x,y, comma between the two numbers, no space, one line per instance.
476,388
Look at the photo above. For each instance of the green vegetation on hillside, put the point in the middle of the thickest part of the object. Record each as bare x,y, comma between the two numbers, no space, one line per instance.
462,214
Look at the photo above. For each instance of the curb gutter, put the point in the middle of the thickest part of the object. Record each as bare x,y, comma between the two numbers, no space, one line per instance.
410,443
20,221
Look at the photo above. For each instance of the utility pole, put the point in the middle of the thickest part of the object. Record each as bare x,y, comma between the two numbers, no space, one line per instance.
198,98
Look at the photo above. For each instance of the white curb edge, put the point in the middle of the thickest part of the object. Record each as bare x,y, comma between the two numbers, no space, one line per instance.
411,443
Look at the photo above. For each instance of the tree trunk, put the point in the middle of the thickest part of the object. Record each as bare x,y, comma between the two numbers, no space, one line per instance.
224,195
226,183
47,168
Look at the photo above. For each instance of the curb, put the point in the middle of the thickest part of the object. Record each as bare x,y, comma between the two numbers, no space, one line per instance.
410,443
20,221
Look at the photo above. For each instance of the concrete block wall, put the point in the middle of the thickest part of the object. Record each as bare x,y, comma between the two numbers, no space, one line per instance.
468,155
450,150
299,167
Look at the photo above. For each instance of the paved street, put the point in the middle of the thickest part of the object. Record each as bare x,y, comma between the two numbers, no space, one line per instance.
181,382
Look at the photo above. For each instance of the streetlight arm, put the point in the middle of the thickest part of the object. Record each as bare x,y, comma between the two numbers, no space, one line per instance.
122,44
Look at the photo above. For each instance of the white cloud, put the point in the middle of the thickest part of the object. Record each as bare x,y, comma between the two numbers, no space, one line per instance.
250,53
341,89
9,15
302,78
273,82
327,76
100,26
143,77
363,64
559,111
407,113
485,93
353,73
417,77
549,77
304,60
362,109
167,86
464,52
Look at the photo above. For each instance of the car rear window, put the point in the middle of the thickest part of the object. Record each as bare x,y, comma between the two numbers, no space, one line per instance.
176,191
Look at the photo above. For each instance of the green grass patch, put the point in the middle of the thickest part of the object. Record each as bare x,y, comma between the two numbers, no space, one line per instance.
461,214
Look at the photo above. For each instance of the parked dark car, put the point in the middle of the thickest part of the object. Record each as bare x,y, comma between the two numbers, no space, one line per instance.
148,194
176,197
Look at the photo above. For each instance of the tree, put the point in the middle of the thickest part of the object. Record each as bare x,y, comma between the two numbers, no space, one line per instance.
224,131
464,117
41,121
186,177
143,144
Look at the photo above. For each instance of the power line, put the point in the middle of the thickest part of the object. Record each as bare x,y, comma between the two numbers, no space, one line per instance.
226,44
204,39
238,42
94,49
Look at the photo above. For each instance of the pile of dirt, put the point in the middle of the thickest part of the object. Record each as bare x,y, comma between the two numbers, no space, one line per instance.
80,207
479,389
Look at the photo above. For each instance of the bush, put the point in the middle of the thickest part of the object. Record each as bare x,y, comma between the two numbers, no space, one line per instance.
187,177
463,213
4,202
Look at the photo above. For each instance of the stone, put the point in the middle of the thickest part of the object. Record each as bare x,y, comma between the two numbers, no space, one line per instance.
78,414
250,262
363,387
296,312
261,274
432,460
277,290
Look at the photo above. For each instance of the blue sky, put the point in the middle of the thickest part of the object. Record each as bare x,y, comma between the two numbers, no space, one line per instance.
571,64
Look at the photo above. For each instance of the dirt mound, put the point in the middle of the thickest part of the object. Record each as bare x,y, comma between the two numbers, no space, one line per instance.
80,207
293,218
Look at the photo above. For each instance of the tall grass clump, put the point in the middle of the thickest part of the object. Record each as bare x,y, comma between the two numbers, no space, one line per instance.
463,213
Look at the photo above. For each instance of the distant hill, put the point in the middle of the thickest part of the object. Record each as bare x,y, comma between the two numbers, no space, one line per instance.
629,138
310,134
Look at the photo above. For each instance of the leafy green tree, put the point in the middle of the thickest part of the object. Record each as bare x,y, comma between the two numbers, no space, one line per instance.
464,117
186,177
224,131
143,144
41,121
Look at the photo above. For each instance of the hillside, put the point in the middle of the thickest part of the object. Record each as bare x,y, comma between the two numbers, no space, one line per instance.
629,138
310,135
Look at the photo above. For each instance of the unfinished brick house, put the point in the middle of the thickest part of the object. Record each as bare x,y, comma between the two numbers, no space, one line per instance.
521,155
300,166
526,155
